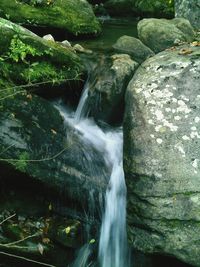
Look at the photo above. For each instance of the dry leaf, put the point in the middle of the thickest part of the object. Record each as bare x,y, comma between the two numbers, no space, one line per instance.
195,43
185,51
53,131
45,240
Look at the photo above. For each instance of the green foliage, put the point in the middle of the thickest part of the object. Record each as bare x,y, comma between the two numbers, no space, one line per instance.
21,164
42,71
19,50
39,3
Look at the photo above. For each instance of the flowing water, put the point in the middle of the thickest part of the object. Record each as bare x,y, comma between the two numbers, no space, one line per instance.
112,243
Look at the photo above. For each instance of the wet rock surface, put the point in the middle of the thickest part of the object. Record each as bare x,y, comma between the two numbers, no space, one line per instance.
159,34
188,9
106,93
161,160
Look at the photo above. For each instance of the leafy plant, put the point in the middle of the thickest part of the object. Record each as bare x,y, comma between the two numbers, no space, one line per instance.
19,50
21,164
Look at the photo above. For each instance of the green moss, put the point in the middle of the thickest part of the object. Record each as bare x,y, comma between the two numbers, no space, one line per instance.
75,16
164,8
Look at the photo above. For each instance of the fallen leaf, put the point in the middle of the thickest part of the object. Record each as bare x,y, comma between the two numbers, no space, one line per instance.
45,240
41,248
53,131
67,230
185,51
195,43
92,241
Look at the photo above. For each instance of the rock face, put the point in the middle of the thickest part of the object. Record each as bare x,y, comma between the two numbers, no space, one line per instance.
162,158
188,9
107,88
134,47
74,16
35,142
159,34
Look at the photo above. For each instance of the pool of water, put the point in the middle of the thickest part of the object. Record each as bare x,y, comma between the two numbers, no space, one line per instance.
112,29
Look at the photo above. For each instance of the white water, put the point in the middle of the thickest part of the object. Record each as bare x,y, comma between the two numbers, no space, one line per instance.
112,244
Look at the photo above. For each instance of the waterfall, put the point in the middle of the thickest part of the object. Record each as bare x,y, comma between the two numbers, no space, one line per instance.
112,243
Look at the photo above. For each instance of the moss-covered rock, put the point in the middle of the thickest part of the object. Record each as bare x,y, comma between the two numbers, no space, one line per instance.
159,34
28,59
143,8
74,16
134,47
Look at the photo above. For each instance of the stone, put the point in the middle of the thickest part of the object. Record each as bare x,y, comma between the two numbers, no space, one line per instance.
49,37
72,16
161,154
188,9
107,87
159,34
30,59
37,144
134,47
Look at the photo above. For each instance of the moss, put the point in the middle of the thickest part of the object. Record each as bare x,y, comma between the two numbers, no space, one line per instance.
163,8
75,16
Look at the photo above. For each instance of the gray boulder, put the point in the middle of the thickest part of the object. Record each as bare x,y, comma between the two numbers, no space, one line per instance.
134,47
36,143
162,155
107,87
159,34
188,9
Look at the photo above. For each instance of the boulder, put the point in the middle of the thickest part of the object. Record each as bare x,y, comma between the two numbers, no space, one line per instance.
107,87
27,59
134,47
161,154
74,16
159,34
188,9
37,145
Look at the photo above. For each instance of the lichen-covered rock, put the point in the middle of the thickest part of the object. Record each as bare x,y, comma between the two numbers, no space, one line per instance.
107,87
162,154
74,16
188,9
134,47
159,34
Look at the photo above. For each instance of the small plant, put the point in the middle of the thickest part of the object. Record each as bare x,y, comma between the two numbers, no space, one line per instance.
19,50
21,164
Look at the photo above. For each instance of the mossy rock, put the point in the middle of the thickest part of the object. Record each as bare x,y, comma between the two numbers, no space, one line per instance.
25,58
74,16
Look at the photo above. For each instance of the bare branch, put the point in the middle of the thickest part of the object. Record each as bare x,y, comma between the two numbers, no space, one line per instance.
26,259
8,218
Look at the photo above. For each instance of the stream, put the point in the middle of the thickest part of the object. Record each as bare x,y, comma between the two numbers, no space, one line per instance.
112,250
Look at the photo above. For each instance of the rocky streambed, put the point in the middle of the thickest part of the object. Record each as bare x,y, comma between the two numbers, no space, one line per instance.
143,75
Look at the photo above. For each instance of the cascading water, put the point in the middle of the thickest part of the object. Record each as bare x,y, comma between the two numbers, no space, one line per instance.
112,244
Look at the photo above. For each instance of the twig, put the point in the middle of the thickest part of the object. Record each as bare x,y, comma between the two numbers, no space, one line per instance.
36,160
18,241
26,259
11,216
